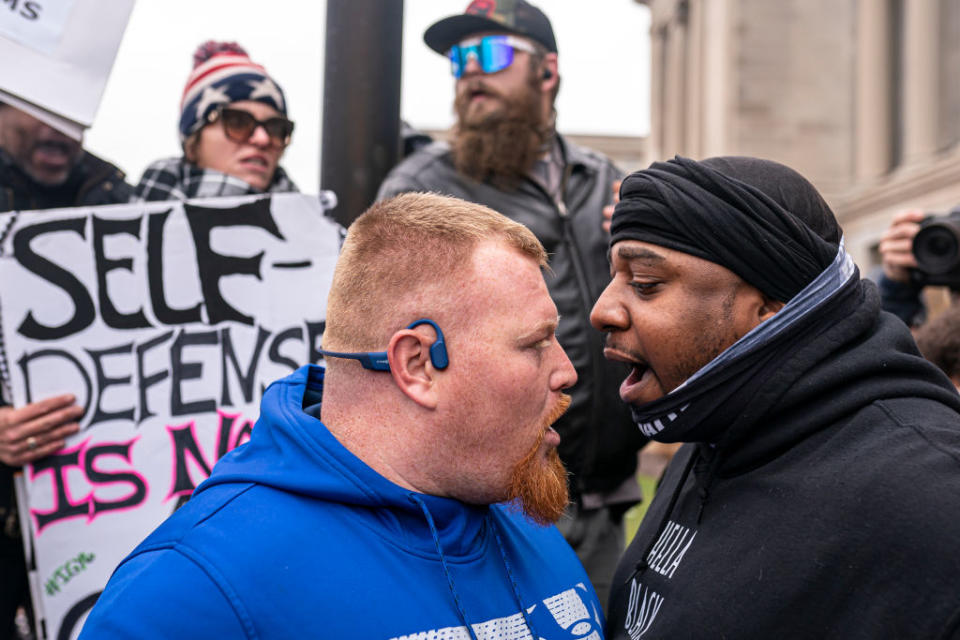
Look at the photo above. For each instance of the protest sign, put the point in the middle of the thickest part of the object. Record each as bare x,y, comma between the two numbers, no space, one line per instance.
57,56
167,320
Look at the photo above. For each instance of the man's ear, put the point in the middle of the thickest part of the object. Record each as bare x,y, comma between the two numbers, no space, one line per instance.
769,307
411,368
550,73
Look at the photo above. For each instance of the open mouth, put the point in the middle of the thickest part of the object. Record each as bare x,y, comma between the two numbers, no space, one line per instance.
256,163
476,90
640,373
636,378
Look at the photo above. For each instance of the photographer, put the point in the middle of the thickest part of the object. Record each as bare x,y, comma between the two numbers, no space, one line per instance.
899,291
918,250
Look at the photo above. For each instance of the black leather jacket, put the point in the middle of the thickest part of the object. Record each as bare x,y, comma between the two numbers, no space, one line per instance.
599,439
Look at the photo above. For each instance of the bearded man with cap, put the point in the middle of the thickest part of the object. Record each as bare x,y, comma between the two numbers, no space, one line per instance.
819,493
506,154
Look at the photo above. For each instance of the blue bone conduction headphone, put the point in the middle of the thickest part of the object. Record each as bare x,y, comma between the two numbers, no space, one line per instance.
377,360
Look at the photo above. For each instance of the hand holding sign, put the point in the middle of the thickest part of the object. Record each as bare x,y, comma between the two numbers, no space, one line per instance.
37,429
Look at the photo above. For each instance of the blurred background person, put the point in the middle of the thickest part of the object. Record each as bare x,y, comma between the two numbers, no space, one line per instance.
233,131
42,168
939,342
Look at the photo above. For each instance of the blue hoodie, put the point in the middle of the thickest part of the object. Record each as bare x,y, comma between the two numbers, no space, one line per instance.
294,536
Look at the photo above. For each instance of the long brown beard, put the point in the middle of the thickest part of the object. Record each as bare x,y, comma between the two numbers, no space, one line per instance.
501,146
540,486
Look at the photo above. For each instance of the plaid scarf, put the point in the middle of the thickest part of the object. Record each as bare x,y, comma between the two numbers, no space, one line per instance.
177,179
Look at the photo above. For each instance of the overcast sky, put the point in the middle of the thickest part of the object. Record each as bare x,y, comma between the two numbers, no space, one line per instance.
604,62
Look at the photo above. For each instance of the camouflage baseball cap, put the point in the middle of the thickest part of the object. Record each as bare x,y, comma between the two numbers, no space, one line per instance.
507,16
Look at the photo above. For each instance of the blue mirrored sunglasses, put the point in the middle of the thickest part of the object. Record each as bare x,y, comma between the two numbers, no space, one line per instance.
492,53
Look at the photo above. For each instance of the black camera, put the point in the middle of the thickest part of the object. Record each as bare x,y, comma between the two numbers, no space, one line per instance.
937,250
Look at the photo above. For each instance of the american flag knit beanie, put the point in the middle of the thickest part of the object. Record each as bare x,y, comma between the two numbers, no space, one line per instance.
223,73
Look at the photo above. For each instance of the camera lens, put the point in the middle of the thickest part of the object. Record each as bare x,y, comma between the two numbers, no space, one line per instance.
937,248
941,245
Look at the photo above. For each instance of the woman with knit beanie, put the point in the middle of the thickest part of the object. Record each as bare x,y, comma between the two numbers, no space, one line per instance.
233,130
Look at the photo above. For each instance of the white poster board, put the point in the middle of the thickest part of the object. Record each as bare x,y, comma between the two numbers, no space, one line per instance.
166,320
57,54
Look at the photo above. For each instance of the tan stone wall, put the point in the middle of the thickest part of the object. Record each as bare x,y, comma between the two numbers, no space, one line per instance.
756,77
794,100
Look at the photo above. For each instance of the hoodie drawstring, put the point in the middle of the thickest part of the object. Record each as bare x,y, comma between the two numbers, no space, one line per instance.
642,564
703,488
513,581
446,568
443,560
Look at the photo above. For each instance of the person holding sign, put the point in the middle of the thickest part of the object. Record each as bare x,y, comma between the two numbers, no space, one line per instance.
406,492
233,130
40,168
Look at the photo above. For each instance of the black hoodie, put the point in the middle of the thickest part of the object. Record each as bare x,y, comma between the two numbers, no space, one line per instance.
831,510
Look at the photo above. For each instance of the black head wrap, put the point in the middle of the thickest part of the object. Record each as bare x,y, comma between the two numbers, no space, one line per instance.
760,219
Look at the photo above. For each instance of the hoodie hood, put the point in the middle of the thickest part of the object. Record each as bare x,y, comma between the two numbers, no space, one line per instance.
292,450
862,356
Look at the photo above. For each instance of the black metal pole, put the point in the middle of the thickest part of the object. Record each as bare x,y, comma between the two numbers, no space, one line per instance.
361,101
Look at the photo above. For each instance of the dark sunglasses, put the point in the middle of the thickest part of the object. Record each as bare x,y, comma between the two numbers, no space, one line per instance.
492,53
239,125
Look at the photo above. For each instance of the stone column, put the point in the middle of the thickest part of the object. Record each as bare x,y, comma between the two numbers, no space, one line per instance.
694,72
874,117
657,75
718,133
675,86
921,43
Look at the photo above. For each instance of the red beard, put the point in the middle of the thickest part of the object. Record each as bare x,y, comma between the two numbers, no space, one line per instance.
541,485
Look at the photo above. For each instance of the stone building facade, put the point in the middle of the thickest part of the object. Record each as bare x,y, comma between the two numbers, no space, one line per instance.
861,96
